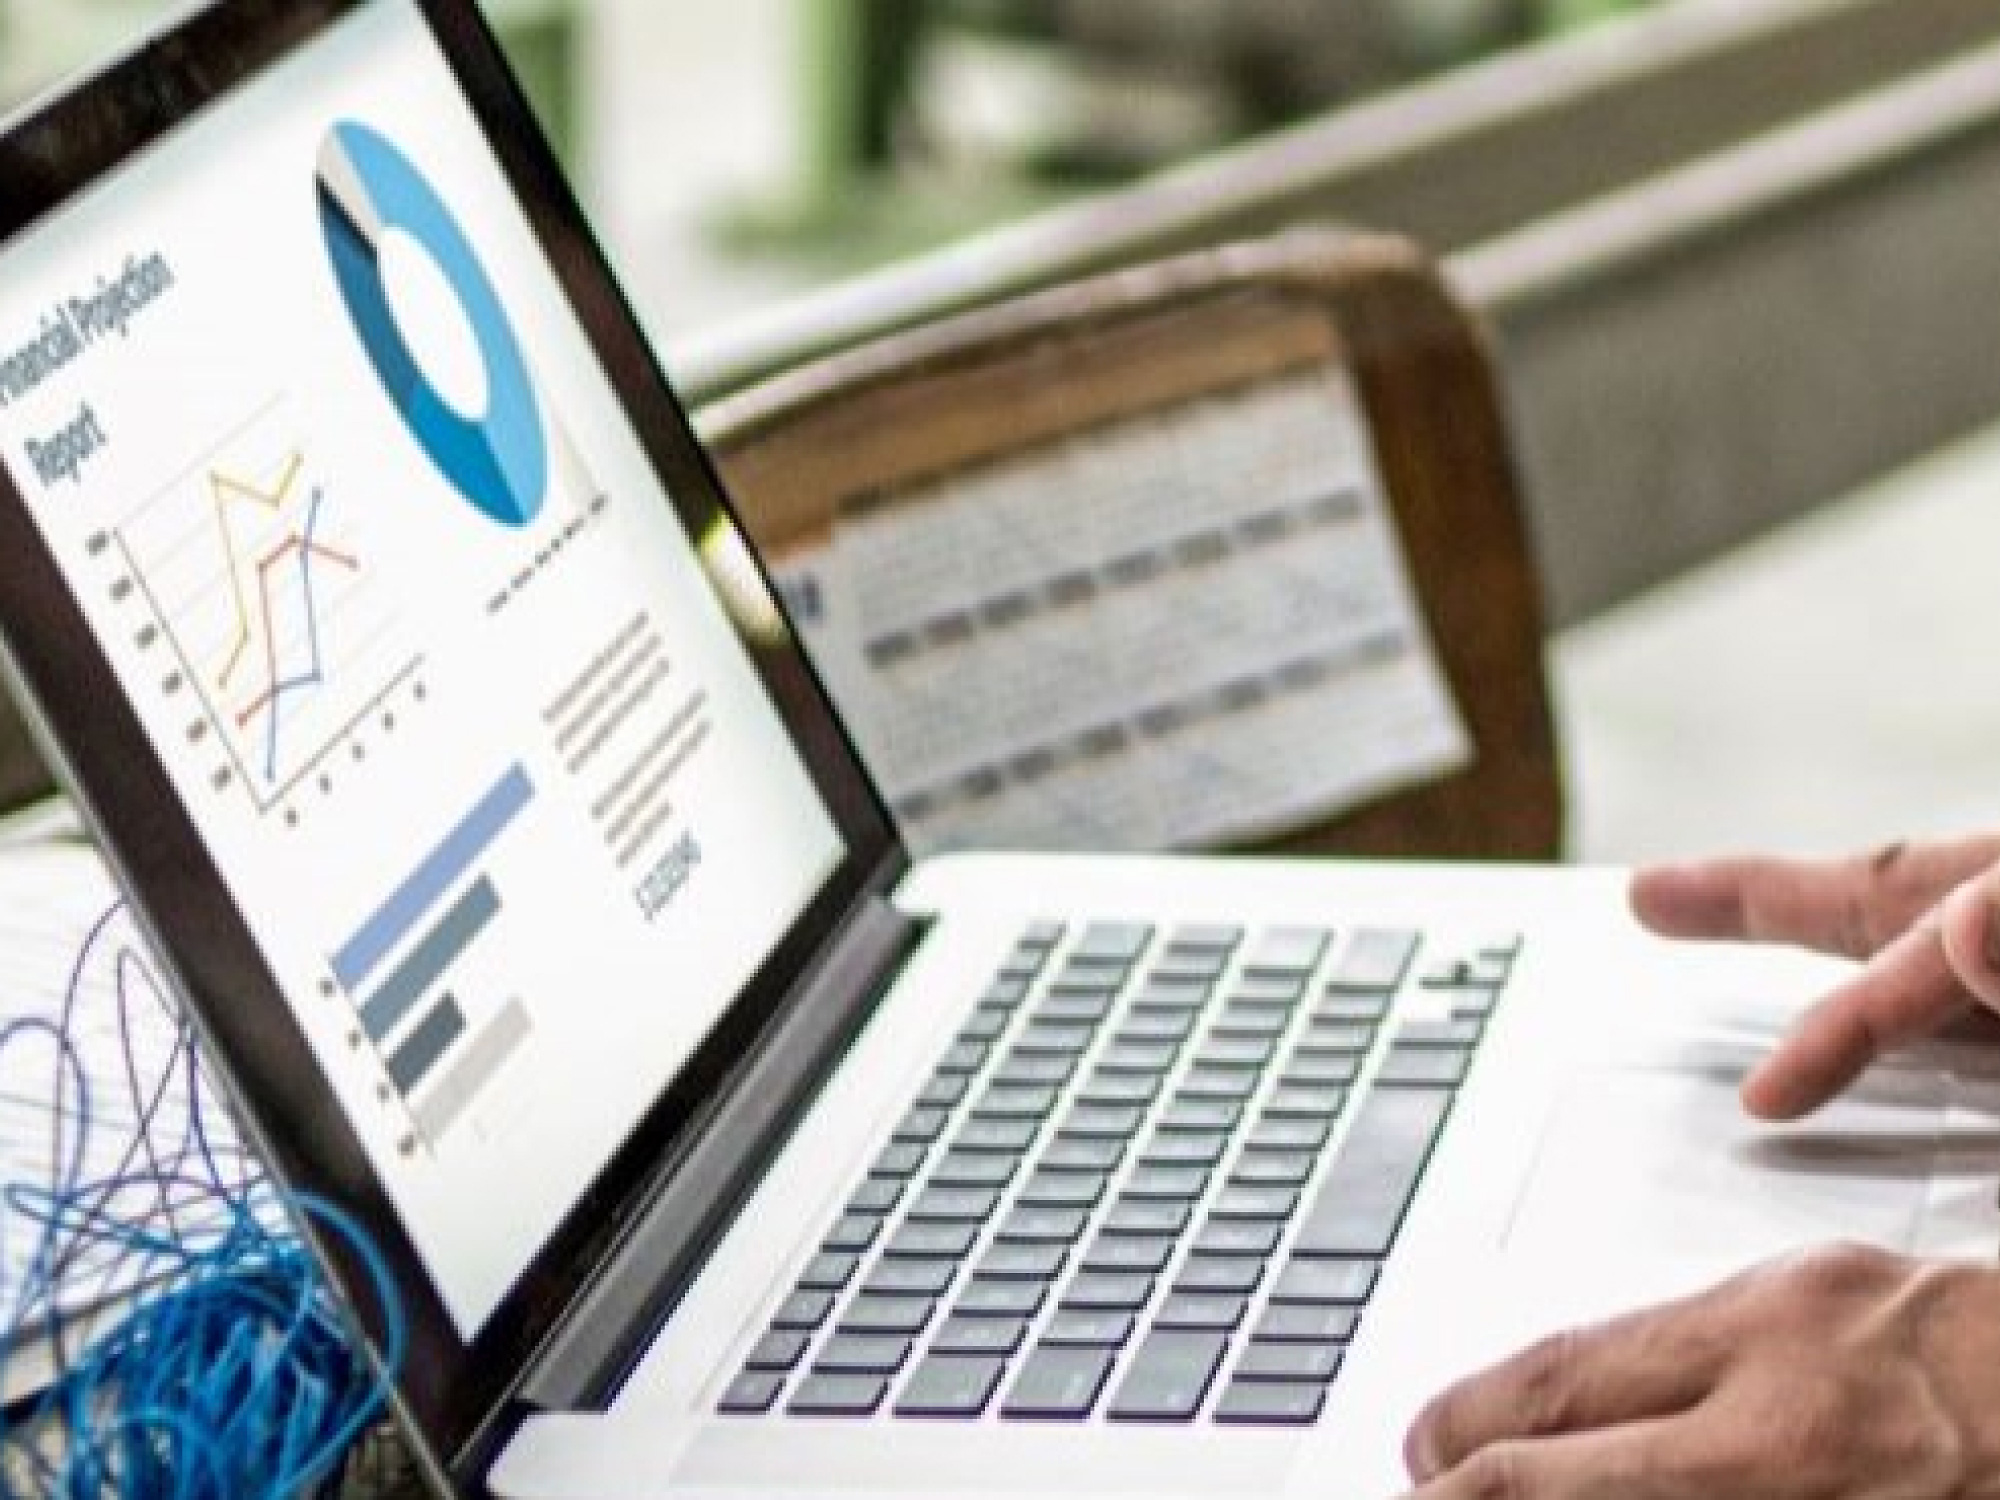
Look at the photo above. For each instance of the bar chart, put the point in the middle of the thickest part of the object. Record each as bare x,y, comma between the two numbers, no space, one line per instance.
402,968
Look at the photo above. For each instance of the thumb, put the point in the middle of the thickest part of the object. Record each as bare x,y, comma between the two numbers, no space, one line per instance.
1970,919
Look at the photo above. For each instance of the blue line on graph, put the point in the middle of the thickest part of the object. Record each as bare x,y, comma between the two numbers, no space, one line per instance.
428,884
315,675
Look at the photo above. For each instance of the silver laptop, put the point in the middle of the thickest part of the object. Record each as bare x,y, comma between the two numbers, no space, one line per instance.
379,607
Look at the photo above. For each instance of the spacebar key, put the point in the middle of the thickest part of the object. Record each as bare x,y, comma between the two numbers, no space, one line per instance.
1361,1203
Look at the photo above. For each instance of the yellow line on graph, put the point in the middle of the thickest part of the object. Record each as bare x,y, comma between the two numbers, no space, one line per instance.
225,488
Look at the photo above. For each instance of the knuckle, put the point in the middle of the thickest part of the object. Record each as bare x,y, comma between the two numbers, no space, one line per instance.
1839,1271
1496,1473
1545,1389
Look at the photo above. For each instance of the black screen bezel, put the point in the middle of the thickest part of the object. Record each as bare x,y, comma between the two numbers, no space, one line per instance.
451,1389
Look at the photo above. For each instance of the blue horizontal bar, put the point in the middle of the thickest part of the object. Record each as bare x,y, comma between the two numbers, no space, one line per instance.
442,868
426,1043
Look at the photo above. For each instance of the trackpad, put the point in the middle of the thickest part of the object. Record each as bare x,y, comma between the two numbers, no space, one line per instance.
1658,1163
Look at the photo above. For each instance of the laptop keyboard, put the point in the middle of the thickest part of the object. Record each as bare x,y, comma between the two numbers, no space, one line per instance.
1153,1178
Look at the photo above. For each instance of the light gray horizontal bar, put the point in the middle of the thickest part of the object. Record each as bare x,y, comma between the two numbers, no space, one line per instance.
479,1062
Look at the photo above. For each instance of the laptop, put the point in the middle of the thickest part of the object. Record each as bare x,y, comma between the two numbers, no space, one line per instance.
382,613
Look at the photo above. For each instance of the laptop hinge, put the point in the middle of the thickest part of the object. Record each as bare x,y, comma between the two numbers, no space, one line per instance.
614,1319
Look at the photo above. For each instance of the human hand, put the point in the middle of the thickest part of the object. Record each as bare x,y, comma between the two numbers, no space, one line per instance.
1925,918
1845,1372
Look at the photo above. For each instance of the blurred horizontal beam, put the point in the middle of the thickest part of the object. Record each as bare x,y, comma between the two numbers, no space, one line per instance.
1699,357
1476,154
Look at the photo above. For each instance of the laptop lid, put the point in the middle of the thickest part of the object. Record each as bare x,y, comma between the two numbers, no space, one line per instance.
385,616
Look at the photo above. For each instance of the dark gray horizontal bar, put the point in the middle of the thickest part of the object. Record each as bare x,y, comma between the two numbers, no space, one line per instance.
431,959
427,1042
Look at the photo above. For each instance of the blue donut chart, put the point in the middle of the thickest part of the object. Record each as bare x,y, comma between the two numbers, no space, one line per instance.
499,460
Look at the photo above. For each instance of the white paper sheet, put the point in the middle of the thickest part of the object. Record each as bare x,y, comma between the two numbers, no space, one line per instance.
1179,630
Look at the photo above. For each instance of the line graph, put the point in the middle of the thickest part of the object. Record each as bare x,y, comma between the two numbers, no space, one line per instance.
256,571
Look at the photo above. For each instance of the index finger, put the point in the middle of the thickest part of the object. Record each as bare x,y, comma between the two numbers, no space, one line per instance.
1906,992
1853,906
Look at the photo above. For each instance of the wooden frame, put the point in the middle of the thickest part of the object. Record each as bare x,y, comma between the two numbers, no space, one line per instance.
924,404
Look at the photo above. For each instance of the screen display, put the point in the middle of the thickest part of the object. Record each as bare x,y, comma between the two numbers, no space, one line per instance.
445,684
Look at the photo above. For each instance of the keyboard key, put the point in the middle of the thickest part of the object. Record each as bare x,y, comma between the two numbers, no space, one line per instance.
941,1205
1076,1009
1167,1182
1204,937
1169,1377
1043,1037
1185,1149
1209,1310
1120,941
1171,1027
1006,1136
859,1354
1041,936
1235,1084
778,1350
1313,1069
1425,1067
1164,993
921,1126
1244,1202
852,1233
900,1160
910,1278
1011,988
1292,1101
1138,1057
986,1024
1275,989
947,1385
1121,1252
1273,1168
1454,1033
975,1169
838,1396
1143,1216
1337,1036
1253,1022
1288,950
1095,1291
1024,1262
1258,1403
1114,1122
1015,1102
1223,1274
1346,1283
905,1316
1044,1226
1064,1190
876,1195
1093,1330
1351,1010
1119,1089
1173,965
944,1091
1058,1382
1374,1173
1375,959
1307,1323
1073,1154
751,1394
963,1057
1290,1362
1000,1299
933,1241
1290,1135
1236,1052
828,1272
979,1336
1090,976
1186,1114
1256,1237
803,1310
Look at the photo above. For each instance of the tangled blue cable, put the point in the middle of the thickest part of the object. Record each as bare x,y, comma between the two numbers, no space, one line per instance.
227,1370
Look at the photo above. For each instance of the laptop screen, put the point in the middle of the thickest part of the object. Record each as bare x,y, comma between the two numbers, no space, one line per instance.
467,689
